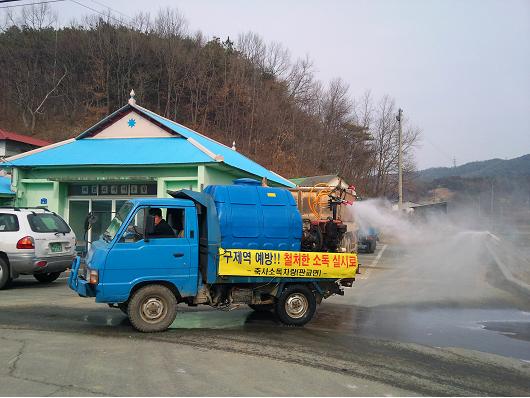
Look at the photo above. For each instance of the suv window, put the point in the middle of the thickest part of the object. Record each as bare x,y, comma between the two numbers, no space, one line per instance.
8,223
47,222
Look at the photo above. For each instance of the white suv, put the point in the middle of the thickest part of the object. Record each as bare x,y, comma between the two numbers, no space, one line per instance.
34,241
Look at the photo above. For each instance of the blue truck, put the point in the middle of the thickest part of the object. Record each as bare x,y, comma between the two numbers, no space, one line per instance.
367,238
224,247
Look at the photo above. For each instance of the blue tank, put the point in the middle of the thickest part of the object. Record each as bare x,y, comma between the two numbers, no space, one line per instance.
256,217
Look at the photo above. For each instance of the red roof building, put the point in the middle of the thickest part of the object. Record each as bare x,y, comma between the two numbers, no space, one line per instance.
13,143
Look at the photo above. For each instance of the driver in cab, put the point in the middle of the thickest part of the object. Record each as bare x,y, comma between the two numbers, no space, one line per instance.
162,228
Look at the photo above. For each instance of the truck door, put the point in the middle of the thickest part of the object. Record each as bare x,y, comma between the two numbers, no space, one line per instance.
165,256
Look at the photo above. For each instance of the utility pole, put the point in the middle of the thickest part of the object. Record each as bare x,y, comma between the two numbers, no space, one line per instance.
491,199
400,161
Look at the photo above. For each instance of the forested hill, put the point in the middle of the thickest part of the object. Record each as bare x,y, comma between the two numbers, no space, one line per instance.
488,168
55,83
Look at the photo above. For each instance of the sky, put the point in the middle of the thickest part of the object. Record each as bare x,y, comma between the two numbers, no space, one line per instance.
460,70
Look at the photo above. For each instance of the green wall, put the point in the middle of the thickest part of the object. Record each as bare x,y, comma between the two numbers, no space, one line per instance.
214,175
31,191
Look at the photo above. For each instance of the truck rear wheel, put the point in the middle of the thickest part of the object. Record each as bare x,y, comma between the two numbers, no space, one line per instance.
296,305
152,308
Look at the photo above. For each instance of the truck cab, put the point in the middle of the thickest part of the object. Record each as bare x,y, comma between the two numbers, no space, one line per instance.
125,256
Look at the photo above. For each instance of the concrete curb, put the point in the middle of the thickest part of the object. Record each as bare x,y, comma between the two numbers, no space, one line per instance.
516,283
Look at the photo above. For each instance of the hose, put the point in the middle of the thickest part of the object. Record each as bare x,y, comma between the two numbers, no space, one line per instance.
317,203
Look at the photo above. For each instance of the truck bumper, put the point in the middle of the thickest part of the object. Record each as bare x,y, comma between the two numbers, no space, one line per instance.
77,283
27,263
347,282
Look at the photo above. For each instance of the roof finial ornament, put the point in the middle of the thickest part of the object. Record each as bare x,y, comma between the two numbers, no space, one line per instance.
132,101
233,145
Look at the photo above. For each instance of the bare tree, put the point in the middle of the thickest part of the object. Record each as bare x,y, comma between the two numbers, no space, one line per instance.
363,110
386,148
301,78
142,22
253,48
38,16
277,60
170,23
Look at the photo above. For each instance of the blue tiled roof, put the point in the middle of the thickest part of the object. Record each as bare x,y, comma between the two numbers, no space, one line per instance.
142,151
5,186
117,151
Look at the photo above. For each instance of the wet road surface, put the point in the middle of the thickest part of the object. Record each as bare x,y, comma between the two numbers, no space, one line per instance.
403,329
402,300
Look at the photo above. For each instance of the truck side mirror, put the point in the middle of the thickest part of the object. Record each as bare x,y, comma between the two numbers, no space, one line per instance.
149,226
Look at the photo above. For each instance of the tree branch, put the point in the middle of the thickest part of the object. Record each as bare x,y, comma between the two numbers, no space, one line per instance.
51,91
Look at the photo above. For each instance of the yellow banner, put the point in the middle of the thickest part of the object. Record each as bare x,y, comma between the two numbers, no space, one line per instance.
285,264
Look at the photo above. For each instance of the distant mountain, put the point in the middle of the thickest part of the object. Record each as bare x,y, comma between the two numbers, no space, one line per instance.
488,168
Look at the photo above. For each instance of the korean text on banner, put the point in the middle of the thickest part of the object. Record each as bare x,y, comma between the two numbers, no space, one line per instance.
286,264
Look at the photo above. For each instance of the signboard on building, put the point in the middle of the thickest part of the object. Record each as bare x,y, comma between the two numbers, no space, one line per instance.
113,189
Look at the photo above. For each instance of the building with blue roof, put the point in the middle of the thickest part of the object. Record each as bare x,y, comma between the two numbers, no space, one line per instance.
132,152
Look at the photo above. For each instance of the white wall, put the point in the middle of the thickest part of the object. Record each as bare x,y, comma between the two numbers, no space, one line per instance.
140,128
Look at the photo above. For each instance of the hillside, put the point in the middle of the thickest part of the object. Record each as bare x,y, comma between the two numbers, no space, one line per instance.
517,167
56,82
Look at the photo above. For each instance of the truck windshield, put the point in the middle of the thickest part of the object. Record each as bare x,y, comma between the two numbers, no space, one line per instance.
117,221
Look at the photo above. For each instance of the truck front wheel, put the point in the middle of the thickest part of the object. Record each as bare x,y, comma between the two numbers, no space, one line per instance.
296,305
152,308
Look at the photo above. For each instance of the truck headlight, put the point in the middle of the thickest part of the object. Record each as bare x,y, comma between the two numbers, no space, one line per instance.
93,276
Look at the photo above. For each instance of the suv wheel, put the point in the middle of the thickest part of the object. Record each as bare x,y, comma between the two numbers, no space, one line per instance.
152,308
48,277
5,277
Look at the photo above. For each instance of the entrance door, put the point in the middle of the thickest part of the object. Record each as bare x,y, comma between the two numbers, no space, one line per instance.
78,210
102,209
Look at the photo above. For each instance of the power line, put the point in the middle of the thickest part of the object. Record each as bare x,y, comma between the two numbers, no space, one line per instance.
99,12
110,8
27,4
445,154
74,1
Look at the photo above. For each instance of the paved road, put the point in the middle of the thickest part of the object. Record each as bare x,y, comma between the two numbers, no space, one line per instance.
421,296
402,330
